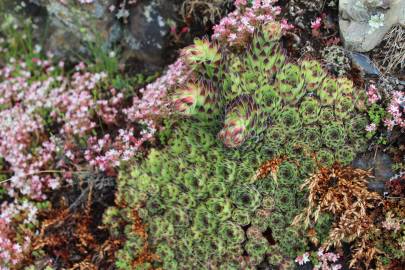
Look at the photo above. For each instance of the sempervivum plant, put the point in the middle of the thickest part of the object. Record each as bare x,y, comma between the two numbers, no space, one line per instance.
276,119
290,84
334,136
328,92
313,74
203,57
240,120
343,107
309,110
196,99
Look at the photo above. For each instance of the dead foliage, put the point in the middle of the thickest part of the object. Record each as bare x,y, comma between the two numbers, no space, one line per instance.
74,239
392,54
342,192
270,167
139,228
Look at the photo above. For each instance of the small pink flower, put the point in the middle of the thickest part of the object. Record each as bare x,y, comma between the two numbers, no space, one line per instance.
373,95
185,29
316,25
303,259
240,3
389,124
372,127
285,25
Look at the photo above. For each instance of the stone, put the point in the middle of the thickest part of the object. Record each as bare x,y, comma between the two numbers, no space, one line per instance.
381,165
364,23
364,64
148,33
74,25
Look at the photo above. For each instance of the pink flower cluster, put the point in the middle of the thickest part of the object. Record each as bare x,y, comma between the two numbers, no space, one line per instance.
303,259
371,128
72,110
74,105
373,95
237,28
327,261
22,134
108,110
107,153
396,110
13,243
324,260
50,127
391,224
316,25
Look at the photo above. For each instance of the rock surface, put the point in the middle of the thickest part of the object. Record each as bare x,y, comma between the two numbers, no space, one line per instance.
147,36
73,25
381,166
363,23
141,30
364,64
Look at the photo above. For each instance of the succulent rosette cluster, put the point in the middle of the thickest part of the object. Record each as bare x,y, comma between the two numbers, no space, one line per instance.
240,107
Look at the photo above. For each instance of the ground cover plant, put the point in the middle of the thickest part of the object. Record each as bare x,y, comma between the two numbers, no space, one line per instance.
58,124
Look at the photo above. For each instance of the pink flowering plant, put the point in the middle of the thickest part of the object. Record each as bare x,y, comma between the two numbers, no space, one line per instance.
321,260
236,29
384,112
396,111
58,123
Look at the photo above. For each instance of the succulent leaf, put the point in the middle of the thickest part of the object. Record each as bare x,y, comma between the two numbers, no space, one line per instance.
309,110
290,84
289,119
198,99
328,92
240,118
343,107
313,75
334,135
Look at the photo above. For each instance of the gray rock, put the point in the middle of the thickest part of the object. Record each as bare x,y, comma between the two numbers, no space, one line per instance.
363,63
73,26
364,23
142,32
147,35
381,166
